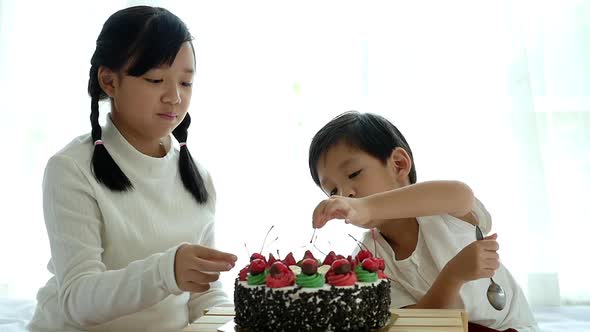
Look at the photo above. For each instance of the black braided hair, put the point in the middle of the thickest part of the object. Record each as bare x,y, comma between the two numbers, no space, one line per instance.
105,169
191,178
141,38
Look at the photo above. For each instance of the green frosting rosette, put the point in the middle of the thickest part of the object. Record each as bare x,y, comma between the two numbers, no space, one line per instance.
363,275
259,279
314,281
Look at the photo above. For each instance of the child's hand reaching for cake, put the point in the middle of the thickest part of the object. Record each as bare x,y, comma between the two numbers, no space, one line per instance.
195,266
353,210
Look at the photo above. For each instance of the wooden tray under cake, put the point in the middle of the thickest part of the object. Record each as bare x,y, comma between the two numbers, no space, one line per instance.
221,319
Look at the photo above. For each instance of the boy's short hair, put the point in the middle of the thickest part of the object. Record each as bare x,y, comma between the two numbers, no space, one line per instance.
367,132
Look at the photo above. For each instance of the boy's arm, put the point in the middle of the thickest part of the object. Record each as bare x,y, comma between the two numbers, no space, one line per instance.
422,199
416,200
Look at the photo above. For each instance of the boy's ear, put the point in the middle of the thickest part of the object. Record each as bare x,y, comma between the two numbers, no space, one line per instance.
108,80
401,162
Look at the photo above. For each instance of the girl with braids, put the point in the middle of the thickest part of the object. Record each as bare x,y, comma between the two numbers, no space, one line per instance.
130,218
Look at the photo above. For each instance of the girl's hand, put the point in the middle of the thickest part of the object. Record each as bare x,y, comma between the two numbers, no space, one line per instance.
478,260
353,210
195,266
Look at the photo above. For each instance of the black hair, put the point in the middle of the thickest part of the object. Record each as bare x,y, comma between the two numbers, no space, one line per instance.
139,38
367,132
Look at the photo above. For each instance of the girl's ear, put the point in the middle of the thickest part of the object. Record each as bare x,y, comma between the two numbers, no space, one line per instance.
401,163
107,80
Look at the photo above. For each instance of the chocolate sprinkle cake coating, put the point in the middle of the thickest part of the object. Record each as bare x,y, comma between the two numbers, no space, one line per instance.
362,307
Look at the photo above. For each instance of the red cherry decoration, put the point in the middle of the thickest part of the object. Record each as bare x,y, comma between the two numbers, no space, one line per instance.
244,273
271,259
309,266
329,258
352,262
257,266
362,255
341,266
289,260
380,262
370,264
257,256
278,268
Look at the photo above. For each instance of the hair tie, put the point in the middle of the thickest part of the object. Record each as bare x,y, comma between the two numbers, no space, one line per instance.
98,142
182,144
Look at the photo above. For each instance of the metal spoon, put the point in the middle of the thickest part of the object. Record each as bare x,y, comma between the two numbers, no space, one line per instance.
496,295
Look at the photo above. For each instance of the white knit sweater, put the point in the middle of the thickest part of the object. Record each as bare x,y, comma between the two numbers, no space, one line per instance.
112,253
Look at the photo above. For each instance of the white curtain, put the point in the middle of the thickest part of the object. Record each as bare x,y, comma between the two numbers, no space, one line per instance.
493,93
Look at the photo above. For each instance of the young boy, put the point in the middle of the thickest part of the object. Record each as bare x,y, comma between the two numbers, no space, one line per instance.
426,231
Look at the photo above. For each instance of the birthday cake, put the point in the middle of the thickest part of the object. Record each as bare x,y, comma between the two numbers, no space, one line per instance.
338,294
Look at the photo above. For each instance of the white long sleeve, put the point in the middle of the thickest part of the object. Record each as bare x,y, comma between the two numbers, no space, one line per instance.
215,296
113,253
